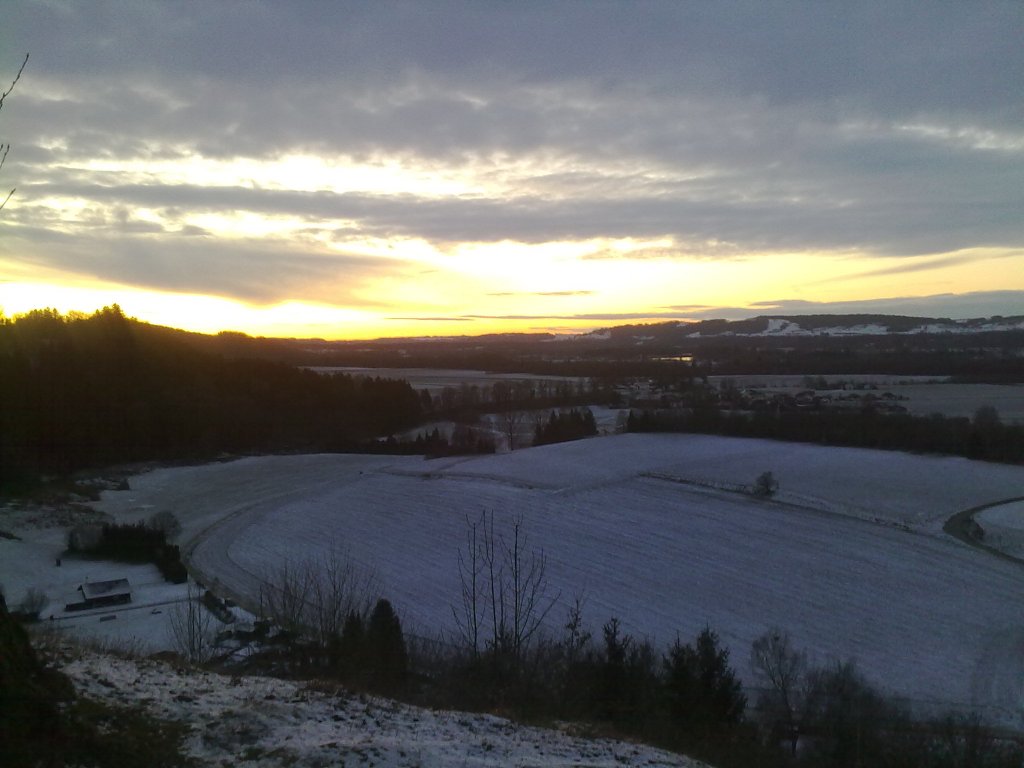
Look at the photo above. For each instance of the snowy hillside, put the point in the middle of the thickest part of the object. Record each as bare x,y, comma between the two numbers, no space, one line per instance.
260,721
850,557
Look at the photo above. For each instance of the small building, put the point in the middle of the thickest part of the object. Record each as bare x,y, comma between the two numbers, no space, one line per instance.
101,594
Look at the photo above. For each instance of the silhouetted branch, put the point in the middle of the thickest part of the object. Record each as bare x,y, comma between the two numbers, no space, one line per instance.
14,82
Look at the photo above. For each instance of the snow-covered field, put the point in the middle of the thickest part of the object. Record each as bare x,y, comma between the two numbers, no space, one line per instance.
29,562
850,558
963,399
1004,527
436,379
258,721
920,395
609,421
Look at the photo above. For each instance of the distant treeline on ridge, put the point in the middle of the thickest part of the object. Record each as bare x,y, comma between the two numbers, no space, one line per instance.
984,437
86,391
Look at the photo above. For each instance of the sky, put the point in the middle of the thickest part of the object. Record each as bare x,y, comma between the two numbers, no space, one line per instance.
379,169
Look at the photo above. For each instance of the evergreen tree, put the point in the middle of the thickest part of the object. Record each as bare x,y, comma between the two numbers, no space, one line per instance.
350,656
385,646
702,693
613,678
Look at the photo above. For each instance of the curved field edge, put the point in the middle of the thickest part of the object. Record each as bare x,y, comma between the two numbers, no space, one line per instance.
964,526
851,560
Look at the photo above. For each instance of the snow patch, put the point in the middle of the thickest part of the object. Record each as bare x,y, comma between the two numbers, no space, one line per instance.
261,721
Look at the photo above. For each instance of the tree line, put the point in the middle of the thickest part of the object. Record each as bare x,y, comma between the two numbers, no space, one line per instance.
564,426
508,654
983,437
81,391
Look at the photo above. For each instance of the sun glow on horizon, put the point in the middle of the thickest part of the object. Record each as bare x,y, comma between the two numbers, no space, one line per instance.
477,289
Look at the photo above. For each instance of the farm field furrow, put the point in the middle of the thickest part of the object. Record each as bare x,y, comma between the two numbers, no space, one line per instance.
925,616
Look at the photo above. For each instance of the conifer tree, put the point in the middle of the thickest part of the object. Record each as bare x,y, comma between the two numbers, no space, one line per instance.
702,692
385,645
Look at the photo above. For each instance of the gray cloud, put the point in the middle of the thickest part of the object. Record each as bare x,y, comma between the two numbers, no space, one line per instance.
956,306
941,226
436,319
891,58
541,293
924,265
726,128
261,272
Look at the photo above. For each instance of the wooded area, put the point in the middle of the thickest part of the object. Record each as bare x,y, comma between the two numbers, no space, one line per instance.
88,391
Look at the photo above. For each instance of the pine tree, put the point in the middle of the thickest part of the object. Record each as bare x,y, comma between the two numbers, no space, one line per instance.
702,692
385,646
351,656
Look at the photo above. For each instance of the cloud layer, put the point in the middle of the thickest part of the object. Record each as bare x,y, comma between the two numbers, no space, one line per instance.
305,150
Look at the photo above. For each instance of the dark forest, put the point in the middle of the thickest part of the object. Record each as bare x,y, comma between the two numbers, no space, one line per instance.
80,392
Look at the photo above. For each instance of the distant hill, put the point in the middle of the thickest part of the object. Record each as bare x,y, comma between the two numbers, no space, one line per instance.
809,325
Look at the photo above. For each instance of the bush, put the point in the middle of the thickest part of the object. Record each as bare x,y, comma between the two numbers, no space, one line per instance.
33,602
84,538
765,486
166,523
30,696
385,647
136,543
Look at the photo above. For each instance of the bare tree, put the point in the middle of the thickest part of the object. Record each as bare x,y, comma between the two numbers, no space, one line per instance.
527,588
33,602
5,148
337,590
577,636
505,585
314,597
511,423
507,400
470,614
790,683
284,596
192,628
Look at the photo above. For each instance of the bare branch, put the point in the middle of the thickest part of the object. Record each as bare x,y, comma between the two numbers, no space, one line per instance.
5,148
473,611
313,598
505,579
14,82
192,628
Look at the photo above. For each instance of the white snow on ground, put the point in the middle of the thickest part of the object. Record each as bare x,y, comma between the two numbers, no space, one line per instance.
962,399
29,562
850,559
29,555
609,421
258,721
435,380
1004,527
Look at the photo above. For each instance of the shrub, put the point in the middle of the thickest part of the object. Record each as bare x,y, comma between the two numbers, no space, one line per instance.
166,523
138,543
765,486
385,646
33,602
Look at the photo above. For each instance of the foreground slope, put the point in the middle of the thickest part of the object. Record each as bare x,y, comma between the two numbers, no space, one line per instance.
850,558
262,721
